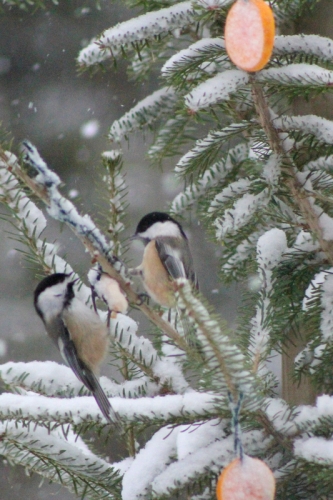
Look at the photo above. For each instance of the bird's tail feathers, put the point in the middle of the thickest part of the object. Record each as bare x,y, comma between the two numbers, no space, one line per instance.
104,404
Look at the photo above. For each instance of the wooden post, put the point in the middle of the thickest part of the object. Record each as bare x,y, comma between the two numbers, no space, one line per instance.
295,393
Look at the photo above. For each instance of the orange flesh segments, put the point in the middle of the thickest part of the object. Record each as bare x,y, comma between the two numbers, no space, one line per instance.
249,34
249,479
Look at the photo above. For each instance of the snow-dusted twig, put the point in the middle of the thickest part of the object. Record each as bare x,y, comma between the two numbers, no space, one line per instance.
80,410
125,35
270,249
144,113
45,186
62,458
223,358
297,192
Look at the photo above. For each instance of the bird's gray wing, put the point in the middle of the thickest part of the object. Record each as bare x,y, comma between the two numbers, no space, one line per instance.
60,334
176,258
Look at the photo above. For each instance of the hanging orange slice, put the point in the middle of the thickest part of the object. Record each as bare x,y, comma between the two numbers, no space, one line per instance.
249,479
249,34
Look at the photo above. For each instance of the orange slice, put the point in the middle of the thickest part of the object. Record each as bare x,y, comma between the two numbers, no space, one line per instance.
249,479
249,34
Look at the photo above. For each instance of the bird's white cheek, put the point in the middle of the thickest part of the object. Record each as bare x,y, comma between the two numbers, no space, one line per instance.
50,306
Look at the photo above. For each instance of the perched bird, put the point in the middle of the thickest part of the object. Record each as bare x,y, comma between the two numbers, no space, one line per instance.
166,256
77,331
108,290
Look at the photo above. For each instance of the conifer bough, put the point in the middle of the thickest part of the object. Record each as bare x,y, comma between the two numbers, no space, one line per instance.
249,34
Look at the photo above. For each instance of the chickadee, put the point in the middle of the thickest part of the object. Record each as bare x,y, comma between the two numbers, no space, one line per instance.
108,290
166,257
77,331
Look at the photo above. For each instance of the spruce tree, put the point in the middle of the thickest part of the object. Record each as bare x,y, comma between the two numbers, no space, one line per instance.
261,181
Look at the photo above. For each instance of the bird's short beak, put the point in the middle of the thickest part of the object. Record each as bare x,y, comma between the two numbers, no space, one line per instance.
134,237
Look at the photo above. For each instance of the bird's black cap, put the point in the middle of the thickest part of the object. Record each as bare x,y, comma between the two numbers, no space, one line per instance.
148,220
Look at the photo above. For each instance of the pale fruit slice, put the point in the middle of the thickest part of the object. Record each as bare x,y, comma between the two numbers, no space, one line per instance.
249,34
247,479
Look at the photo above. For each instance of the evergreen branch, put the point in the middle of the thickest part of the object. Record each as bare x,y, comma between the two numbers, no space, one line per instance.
215,89
30,222
307,209
44,186
270,248
242,211
206,151
203,4
80,412
309,45
135,32
222,356
290,10
197,469
319,127
144,113
211,177
237,259
162,370
171,136
62,461
117,190
51,379
301,75
195,62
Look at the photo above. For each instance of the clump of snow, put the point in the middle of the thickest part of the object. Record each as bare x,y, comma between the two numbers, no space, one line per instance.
270,249
315,449
137,479
216,89
113,154
240,214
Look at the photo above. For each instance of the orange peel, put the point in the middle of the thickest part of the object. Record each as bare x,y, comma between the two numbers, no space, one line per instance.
246,479
249,34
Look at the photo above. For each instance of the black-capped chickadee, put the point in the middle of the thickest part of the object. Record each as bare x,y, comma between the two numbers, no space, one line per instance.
108,290
77,331
166,256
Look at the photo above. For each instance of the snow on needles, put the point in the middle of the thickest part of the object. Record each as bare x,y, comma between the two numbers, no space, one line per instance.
216,89
191,52
137,480
63,210
31,217
307,44
70,449
143,27
144,113
270,249
82,409
315,449
308,124
297,74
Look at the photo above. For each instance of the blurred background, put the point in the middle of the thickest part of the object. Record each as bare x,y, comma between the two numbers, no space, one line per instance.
67,116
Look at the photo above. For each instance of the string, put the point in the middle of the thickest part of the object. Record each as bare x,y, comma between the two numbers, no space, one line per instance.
235,410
